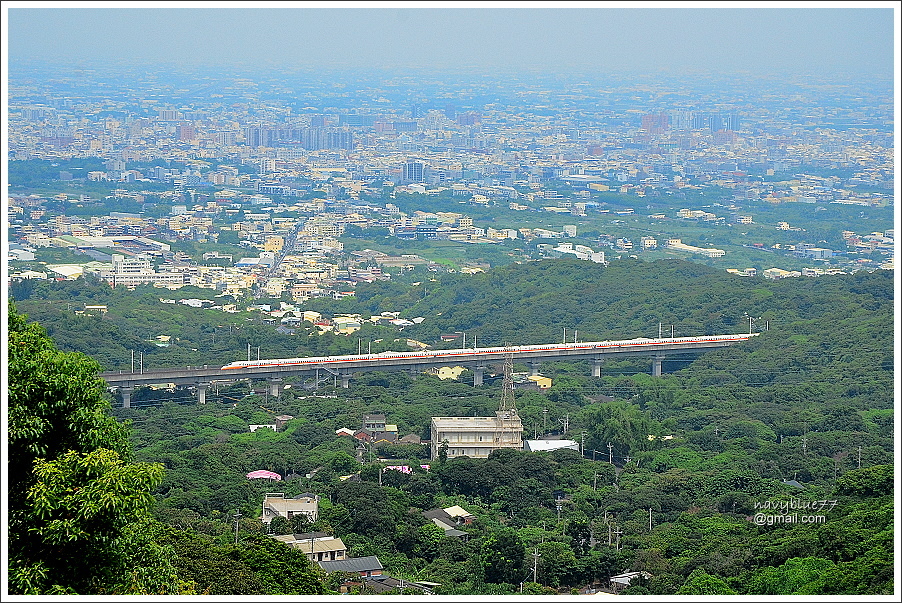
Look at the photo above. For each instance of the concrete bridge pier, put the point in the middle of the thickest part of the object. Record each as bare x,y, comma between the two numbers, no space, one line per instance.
478,373
345,380
656,365
275,387
126,393
202,388
534,368
596,367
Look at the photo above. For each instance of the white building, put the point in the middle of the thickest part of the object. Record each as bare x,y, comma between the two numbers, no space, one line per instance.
649,243
276,505
318,546
477,437
549,445
678,245
137,270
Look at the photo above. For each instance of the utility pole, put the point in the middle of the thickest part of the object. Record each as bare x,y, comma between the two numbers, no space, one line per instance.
610,453
248,351
565,422
133,361
659,330
671,331
535,564
595,482
565,335
859,457
258,352
544,421
582,445
649,519
237,516
575,336
142,363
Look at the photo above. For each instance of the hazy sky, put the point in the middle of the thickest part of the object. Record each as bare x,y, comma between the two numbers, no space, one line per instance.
801,39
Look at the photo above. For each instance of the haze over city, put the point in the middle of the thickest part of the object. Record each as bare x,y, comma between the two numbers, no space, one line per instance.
760,39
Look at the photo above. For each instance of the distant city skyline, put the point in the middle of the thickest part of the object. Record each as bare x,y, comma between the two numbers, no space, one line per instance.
763,39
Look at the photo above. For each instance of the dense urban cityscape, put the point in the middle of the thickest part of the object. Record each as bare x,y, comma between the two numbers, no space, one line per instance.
242,162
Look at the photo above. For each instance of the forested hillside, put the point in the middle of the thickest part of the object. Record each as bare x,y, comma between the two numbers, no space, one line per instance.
800,416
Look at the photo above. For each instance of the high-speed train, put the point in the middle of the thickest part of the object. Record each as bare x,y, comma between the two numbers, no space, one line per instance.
470,352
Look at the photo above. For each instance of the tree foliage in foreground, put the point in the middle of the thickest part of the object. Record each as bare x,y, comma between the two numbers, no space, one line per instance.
74,495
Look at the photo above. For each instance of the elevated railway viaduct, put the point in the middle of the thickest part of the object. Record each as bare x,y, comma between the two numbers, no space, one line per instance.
275,371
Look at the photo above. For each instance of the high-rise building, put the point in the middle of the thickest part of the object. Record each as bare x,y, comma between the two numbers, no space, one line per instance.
655,123
413,171
186,132
355,120
115,165
715,122
339,139
226,138
469,118
259,137
681,120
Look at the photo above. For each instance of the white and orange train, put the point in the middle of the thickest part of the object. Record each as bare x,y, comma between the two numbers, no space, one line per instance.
469,353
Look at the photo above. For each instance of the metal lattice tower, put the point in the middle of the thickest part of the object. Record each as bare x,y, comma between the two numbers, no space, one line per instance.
507,390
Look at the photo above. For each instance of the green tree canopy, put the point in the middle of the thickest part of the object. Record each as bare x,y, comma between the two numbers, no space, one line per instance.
867,481
502,557
700,582
73,492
